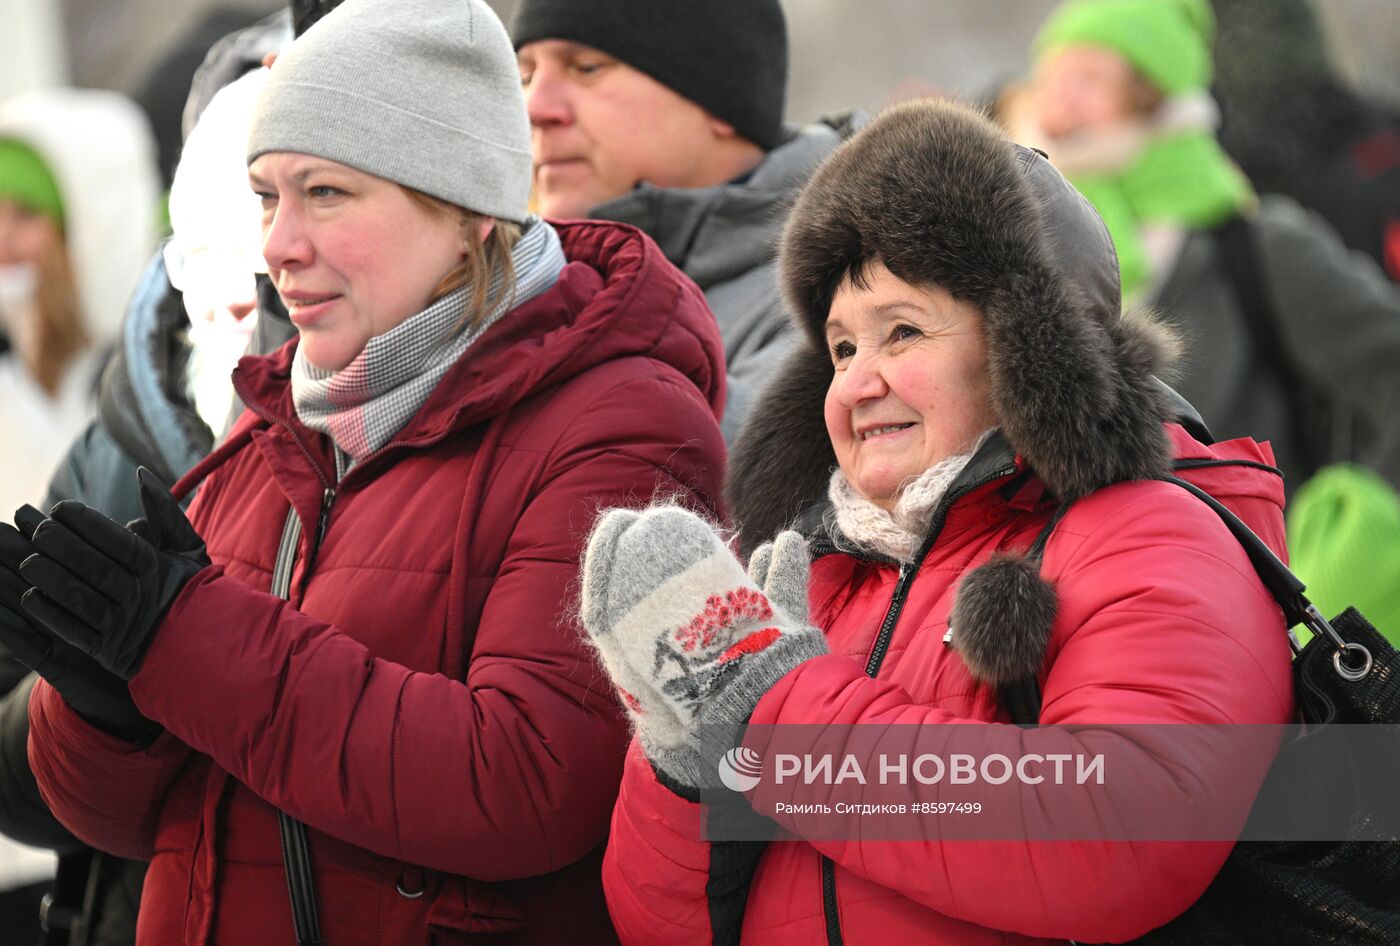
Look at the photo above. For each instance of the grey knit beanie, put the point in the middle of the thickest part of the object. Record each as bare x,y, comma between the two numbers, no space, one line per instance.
425,93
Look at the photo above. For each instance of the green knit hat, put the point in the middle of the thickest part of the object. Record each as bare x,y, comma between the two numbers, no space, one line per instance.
1168,41
1344,542
26,179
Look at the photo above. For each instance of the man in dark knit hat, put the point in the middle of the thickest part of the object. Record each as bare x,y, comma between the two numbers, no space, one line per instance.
668,116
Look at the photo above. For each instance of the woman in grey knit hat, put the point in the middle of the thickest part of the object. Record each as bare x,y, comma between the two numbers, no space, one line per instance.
413,746
968,445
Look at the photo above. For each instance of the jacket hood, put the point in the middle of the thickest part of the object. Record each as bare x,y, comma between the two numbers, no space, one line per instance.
144,403
718,233
230,58
616,298
940,196
99,147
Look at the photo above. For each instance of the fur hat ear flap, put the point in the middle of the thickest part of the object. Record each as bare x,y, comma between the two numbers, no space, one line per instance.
1002,618
781,462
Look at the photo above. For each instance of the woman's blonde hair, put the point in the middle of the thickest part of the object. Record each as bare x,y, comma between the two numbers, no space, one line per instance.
483,258
58,331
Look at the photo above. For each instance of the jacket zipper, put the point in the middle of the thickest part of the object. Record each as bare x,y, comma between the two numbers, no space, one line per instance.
311,920
323,521
882,640
1206,464
327,489
907,571
833,918
276,421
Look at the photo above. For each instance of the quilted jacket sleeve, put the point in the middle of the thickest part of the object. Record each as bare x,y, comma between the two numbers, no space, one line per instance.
657,867
23,815
510,772
107,791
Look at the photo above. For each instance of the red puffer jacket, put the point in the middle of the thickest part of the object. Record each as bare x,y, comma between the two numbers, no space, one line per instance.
423,702
1141,636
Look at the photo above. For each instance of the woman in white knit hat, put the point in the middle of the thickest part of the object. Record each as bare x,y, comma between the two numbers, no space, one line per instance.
414,744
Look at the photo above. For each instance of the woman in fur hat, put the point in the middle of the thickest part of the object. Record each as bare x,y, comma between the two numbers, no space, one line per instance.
968,382
413,747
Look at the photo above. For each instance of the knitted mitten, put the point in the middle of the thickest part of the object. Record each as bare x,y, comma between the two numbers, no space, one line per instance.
689,639
780,568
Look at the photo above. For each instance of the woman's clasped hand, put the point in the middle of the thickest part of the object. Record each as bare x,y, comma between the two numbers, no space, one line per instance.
103,587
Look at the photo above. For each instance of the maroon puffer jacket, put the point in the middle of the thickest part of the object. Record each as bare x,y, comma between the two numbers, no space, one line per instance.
423,702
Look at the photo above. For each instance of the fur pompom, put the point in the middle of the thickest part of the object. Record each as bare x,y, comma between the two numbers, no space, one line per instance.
1002,619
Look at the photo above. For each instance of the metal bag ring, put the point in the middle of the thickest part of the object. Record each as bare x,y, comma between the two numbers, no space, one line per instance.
407,895
1347,673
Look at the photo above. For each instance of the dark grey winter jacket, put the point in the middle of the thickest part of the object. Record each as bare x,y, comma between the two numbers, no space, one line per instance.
726,239
1336,319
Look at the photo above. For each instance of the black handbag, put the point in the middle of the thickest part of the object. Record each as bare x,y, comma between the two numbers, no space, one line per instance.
1313,893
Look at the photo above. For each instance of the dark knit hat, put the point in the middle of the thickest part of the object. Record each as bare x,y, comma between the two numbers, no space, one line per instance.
730,57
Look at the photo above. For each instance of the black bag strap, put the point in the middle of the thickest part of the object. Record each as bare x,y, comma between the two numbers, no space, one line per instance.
1285,587
1240,255
296,850
1022,699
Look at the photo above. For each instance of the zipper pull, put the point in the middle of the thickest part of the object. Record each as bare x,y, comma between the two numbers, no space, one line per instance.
324,520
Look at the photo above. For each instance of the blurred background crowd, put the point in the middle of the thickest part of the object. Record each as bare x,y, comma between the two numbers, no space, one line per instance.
96,111
842,53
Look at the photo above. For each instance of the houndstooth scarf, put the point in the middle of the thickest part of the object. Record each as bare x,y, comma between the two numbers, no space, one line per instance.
363,405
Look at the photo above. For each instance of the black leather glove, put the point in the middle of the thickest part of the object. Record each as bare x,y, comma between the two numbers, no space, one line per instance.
103,587
99,697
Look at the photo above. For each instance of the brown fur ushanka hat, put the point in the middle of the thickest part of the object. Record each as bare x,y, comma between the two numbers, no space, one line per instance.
939,195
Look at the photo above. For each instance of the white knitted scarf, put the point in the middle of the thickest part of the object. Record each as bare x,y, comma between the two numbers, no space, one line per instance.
363,405
896,534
